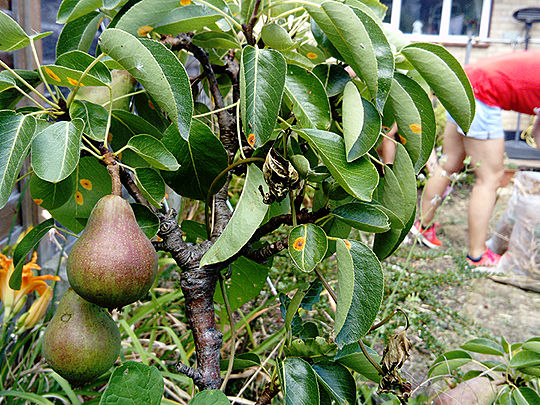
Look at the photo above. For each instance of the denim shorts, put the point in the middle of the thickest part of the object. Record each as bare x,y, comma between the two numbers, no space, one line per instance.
487,123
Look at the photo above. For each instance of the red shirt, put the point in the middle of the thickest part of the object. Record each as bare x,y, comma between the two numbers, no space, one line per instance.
510,81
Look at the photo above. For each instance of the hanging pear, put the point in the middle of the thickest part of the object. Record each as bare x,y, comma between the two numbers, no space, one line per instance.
113,263
81,341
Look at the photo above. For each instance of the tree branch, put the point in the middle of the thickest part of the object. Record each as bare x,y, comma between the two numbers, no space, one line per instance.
248,28
263,254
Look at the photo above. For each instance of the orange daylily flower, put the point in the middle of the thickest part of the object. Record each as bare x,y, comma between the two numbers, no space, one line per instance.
37,311
11,298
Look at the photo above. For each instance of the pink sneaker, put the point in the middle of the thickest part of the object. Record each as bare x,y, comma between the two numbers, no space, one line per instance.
427,235
488,259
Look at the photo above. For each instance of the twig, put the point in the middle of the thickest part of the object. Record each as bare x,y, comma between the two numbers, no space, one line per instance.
248,28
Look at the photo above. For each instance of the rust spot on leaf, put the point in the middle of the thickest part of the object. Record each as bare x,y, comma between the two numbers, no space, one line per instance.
38,201
417,129
144,30
74,82
312,55
51,74
79,198
87,184
251,139
299,243
402,139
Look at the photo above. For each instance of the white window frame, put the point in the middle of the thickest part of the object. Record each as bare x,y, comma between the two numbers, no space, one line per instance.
444,36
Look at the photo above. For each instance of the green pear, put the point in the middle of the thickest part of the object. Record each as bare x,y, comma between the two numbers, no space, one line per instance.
113,263
81,341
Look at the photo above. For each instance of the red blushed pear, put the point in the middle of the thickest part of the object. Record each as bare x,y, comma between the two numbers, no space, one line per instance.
113,263
81,341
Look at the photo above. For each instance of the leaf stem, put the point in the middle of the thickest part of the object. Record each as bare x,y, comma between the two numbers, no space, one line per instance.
109,117
218,177
370,359
90,144
41,96
38,65
24,175
66,231
279,3
216,111
91,152
83,75
239,132
233,333
327,286
28,96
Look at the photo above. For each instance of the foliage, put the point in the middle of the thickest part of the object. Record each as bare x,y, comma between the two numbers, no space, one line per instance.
516,367
291,114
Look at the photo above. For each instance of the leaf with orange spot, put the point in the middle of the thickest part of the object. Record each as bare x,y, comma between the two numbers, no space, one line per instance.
311,55
74,82
51,195
416,128
144,30
307,246
79,198
86,184
51,74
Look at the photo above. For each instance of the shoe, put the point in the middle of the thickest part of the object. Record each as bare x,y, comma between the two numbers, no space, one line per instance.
426,235
488,259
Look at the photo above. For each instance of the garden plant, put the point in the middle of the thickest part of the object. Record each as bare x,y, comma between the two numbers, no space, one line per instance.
272,135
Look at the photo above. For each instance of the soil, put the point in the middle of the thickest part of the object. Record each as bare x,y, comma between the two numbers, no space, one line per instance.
496,309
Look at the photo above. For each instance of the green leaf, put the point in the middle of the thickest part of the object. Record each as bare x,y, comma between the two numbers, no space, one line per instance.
532,344
66,77
24,247
202,157
361,123
91,182
134,383
448,362
110,4
241,361
446,77
371,58
154,152
215,39
13,36
78,34
525,358
307,246
363,216
248,215
525,396
55,150
157,69
484,346
207,397
70,10
391,196
277,37
151,185
313,295
358,178
145,13
146,219
299,382
405,175
412,110
35,398
128,125
353,357
360,290
51,195
246,282
94,117
16,134
79,60
262,79
307,98
386,243
9,96
337,381
333,77
191,17
292,319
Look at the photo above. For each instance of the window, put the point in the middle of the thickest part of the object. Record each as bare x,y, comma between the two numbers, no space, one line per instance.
450,20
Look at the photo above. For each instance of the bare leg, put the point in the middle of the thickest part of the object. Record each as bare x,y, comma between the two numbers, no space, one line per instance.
489,154
453,155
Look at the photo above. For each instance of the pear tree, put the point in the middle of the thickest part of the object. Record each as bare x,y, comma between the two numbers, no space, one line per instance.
284,111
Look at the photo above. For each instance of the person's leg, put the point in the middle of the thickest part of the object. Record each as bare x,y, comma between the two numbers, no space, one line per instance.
489,155
452,161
